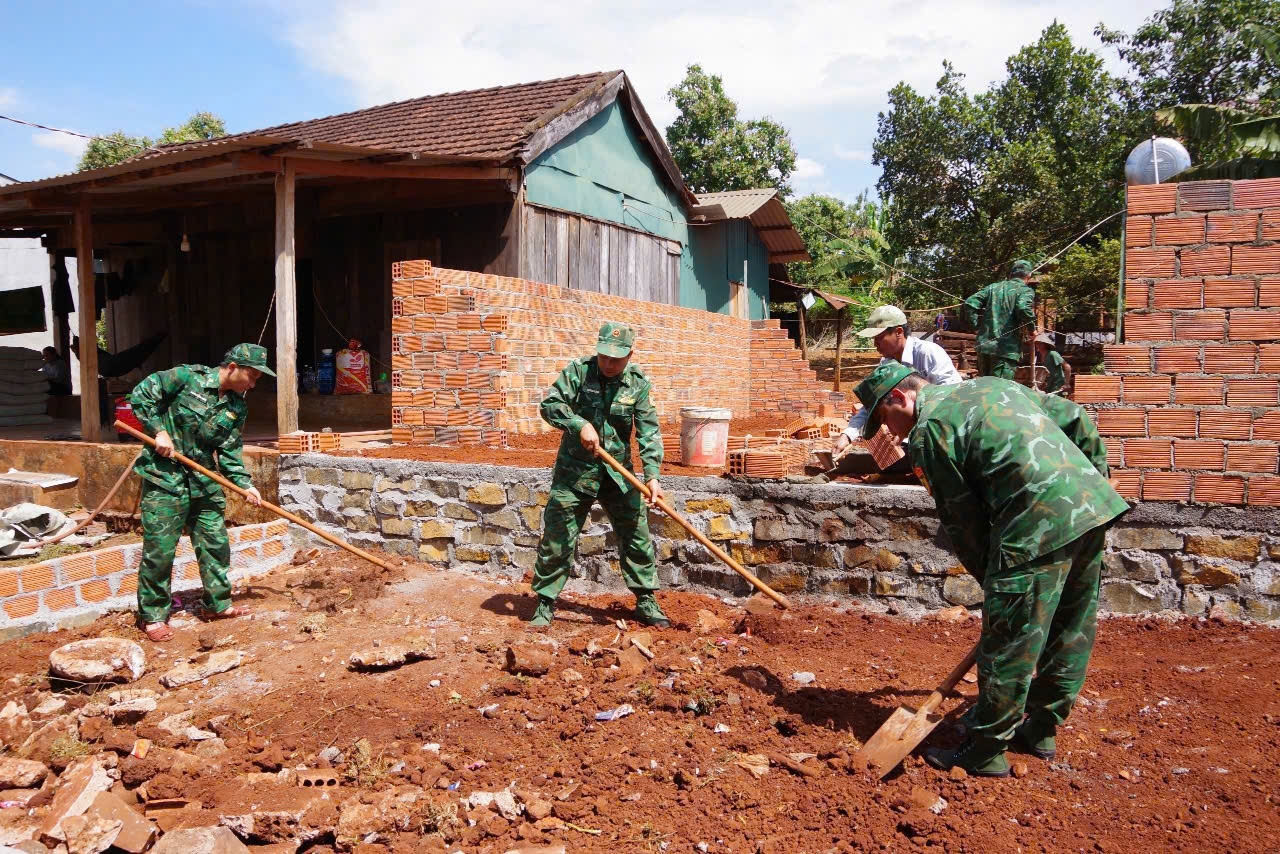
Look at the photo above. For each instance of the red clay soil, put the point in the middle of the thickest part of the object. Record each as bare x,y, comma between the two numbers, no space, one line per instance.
1173,746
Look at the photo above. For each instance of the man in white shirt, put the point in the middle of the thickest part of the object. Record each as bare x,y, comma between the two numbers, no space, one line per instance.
888,326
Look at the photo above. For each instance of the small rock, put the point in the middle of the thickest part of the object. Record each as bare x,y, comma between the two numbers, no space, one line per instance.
208,638
97,660
529,659
759,604
632,662
957,773
954,614
394,655
202,667
708,623
928,800
49,706
803,677
537,809
755,679
570,675
330,754
15,724
1020,769
21,773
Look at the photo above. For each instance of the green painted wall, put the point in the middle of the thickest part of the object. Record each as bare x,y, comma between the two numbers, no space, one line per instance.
715,257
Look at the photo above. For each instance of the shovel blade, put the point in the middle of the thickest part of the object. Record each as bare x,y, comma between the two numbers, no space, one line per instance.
896,738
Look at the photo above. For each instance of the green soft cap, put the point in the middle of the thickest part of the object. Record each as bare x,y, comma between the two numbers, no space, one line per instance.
872,390
615,340
249,356
1022,268
884,317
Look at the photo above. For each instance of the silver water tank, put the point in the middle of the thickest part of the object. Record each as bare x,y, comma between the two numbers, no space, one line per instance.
1155,160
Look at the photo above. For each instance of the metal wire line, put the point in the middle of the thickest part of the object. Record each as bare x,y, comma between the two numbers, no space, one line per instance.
82,135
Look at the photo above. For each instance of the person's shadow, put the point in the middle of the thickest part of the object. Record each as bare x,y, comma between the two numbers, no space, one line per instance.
521,606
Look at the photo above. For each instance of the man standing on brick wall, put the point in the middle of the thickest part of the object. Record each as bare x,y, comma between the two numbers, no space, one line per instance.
199,412
888,329
596,401
1020,482
1000,313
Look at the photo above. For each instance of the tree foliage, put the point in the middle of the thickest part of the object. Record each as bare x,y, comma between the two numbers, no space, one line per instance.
119,146
715,149
1083,283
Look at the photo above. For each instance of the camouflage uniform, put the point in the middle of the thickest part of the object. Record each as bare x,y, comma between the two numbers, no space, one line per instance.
1054,363
184,401
1000,312
581,394
1019,479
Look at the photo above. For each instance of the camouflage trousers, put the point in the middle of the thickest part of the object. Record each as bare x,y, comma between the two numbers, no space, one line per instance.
996,366
1040,617
165,516
562,521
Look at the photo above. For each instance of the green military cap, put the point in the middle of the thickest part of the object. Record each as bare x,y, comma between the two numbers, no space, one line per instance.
884,317
615,339
873,389
1022,268
249,356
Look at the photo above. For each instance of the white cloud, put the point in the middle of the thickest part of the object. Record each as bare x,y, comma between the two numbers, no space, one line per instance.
807,170
8,96
72,146
860,155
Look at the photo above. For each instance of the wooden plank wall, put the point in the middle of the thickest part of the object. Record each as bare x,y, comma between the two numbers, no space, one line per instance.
589,255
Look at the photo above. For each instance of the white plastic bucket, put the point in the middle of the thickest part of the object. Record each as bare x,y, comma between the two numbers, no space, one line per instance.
704,436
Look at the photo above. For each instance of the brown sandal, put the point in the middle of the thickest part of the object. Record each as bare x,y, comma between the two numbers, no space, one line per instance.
158,632
229,613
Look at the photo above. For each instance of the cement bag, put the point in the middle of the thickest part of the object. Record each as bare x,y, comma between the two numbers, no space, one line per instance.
355,376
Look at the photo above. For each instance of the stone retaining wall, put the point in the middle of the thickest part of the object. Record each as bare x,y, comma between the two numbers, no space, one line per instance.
78,588
878,544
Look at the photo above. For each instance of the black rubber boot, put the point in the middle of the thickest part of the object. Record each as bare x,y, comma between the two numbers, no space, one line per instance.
1037,738
981,757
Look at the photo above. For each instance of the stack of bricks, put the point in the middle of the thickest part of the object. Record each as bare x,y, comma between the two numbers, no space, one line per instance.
1188,406
781,379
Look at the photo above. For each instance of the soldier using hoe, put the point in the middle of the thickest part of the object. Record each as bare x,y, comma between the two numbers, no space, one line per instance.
1020,482
199,412
1000,312
597,401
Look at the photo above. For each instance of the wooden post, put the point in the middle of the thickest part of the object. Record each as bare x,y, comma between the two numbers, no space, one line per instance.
286,304
86,310
804,346
839,344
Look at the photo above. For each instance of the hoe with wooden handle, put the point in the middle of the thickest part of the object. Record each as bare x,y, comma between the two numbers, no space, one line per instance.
279,511
697,535
906,728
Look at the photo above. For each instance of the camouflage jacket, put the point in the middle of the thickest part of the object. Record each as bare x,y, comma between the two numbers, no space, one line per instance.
1000,313
1015,473
1057,376
184,401
582,394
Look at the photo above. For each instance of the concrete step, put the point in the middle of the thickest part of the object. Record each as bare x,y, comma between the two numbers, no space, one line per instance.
59,491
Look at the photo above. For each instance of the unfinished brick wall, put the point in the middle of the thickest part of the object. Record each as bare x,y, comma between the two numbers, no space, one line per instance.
781,379
473,354
1189,402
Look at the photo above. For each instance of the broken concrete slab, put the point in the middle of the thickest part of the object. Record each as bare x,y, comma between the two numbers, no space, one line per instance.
98,660
200,840
87,834
394,655
136,833
38,745
202,667
21,773
77,788
15,724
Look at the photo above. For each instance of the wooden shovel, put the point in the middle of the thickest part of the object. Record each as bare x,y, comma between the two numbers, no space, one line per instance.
279,511
906,727
697,535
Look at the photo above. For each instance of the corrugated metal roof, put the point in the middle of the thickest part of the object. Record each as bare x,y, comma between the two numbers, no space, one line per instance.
766,212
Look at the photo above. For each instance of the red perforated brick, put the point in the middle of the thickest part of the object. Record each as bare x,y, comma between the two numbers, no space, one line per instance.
1230,359
1198,454
1201,326
1200,391
1148,453
1148,326
1219,488
426,288
1233,228
1258,193
1126,358
1269,293
1253,392
77,568
21,606
400,289
1230,293
1269,358
1255,259
401,362
62,599
1175,360
1205,261
1176,230
1137,295
1122,422
1254,325
1115,452
1166,486
1226,423
1147,389
1152,198
1178,293
110,561
1137,231
98,589
1270,225
1204,195
1156,263
401,324
1097,388
8,583
1253,458
1264,491
40,576
1127,482
1173,422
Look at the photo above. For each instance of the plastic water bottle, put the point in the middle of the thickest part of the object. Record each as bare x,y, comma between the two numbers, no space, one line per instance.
383,385
327,375
308,379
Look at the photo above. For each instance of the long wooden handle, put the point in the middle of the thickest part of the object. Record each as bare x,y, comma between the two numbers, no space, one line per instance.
279,511
935,699
697,535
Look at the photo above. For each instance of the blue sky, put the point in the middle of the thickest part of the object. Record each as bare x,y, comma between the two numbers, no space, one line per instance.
821,68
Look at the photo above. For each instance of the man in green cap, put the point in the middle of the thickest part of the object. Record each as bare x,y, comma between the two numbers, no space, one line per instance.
1020,482
597,401
1059,371
1000,313
199,412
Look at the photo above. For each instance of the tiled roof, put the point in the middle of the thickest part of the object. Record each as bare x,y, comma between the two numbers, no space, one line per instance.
484,124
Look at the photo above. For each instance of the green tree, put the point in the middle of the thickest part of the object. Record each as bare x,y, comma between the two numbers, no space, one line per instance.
119,146
1083,283
718,151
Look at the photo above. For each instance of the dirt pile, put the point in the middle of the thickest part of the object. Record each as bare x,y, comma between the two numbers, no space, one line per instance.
738,734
